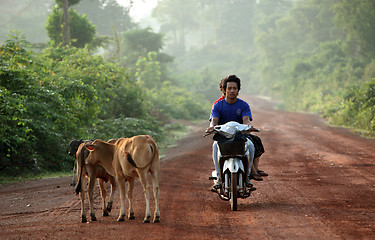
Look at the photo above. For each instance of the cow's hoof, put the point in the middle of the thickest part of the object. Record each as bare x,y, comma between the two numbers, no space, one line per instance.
131,216
93,218
121,218
156,219
109,206
147,219
84,220
105,213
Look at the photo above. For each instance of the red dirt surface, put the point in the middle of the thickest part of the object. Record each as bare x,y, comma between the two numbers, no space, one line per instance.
321,186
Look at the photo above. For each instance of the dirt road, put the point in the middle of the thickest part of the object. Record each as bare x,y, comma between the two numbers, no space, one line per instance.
321,186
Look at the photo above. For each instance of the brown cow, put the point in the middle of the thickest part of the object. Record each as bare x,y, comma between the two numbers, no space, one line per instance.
92,171
127,159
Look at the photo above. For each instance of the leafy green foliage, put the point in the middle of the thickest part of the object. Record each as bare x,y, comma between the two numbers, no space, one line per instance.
148,71
356,19
177,102
315,53
82,31
46,100
102,84
357,108
30,109
107,16
126,127
309,53
166,97
138,43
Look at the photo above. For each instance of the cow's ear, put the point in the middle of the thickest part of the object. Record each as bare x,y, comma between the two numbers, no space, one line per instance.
90,147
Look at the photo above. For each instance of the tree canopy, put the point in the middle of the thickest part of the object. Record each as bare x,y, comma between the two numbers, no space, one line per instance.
310,54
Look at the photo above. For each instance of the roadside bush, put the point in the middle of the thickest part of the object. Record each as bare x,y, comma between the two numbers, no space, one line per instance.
30,111
179,103
46,100
125,127
357,109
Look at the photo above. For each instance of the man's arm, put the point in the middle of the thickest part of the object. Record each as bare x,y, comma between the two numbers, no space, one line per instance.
246,120
214,121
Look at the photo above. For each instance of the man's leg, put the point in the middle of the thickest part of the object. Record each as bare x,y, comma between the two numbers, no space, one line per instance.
250,155
254,172
256,168
216,163
256,163
259,150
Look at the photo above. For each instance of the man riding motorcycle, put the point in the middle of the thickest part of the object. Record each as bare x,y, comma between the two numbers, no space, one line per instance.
231,108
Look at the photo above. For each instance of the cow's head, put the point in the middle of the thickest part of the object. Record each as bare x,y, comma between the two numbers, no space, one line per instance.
98,151
101,153
73,146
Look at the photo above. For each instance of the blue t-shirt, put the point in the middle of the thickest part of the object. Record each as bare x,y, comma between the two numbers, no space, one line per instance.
231,112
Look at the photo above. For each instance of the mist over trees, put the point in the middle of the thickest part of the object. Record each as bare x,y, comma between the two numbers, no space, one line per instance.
116,79
85,86
315,56
28,17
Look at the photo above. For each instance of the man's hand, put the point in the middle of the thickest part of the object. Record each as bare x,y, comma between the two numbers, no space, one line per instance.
213,122
253,129
209,129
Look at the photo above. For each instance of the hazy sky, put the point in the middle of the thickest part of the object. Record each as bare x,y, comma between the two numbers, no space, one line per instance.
140,9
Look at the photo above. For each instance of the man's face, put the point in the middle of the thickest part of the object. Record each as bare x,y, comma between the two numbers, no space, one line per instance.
231,90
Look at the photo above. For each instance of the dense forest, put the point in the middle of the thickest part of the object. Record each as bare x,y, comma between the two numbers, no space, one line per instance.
316,56
85,69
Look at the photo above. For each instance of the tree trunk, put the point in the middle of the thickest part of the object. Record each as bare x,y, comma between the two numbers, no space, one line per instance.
66,30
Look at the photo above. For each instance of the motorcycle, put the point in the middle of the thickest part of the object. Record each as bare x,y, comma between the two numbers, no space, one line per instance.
233,162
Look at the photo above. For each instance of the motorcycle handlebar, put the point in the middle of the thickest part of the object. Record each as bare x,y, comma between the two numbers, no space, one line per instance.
248,131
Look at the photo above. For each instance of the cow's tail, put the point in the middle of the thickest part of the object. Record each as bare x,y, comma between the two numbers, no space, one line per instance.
80,164
132,162
130,159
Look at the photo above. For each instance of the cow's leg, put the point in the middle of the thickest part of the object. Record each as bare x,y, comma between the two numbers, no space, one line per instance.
121,184
73,183
130,198
82,198
112,180
103,193
146,189
90,191
155,181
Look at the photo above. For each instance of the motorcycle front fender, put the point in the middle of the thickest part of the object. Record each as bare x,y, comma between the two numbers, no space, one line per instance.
233,165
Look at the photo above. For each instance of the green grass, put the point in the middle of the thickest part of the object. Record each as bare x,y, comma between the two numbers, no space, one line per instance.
30,176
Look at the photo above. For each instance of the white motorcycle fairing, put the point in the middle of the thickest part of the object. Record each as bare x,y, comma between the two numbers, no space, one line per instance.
233,165
230,128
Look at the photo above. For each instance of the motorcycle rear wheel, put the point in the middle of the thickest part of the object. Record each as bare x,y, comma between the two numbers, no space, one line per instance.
233,192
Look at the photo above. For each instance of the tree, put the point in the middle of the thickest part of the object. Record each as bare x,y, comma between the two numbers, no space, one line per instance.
81,31
138,43
107,16
148,71
31,110
357,21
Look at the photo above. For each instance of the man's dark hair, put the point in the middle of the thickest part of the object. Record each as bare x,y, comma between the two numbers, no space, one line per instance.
231,78
221,83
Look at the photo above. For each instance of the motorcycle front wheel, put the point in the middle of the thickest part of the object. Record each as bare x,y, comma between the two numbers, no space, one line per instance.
233,191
